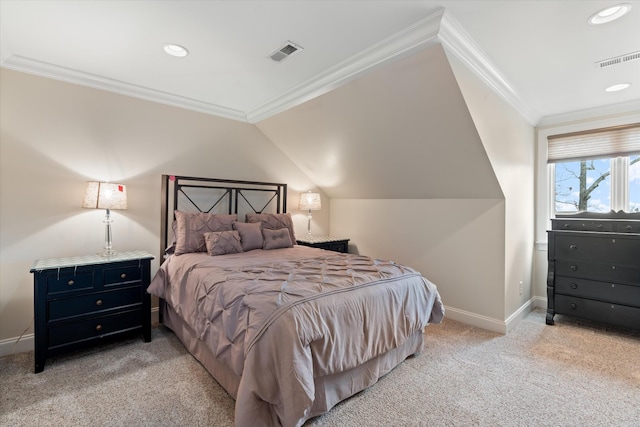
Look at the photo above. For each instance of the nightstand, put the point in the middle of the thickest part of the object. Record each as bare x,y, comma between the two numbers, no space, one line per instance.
78,301
337,244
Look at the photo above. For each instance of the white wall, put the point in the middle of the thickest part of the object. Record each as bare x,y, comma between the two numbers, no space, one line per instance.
56,136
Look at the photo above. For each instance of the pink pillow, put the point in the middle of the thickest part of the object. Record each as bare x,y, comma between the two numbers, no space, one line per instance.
250,235
276,239
222,242
191,226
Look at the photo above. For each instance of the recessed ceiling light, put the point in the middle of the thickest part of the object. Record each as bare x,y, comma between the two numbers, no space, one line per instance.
616,88
175,50
609,14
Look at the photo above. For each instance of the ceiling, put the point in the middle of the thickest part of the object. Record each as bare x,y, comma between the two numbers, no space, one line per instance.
539,55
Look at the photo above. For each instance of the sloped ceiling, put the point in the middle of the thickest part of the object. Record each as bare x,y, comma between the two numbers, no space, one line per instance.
402,131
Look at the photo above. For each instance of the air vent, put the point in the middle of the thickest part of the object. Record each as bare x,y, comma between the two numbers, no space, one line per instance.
285,51
618,60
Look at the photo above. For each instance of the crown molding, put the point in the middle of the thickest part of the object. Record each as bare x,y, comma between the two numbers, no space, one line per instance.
43,69
436,28
623,108
410,40
457,41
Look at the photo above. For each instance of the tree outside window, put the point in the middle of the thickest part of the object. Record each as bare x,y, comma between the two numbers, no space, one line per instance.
585,185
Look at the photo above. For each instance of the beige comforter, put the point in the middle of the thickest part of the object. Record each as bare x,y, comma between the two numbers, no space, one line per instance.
283,317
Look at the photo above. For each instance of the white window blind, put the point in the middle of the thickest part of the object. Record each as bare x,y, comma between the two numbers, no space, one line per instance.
593,144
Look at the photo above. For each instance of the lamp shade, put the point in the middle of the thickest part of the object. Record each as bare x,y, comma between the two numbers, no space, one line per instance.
310,201
105,195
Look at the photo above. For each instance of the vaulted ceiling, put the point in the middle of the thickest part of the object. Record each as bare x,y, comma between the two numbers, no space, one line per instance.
539,55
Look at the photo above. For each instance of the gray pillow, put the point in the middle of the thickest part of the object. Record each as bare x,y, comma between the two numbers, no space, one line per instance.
191,226
222,242
250,235
274,222
276,239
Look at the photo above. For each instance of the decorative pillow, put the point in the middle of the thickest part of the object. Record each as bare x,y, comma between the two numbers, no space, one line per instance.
276,239
222,242
274,222
250,235
191,227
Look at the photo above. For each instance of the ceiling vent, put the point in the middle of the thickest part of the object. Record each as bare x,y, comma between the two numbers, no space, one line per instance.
287,50
618,60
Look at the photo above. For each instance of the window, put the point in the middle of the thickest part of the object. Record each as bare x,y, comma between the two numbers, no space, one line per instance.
596,170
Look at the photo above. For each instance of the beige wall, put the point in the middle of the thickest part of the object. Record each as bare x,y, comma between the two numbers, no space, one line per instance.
456,244
55,136
510,144
414,179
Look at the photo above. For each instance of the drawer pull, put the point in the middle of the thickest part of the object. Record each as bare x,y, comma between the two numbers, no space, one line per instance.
98,327
567,226
123,276
70,282
99,302
629,228
613,267
574,268
573,247
573,286
599,226
573,305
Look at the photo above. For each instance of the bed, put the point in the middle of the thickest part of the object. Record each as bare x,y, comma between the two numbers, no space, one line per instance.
289,331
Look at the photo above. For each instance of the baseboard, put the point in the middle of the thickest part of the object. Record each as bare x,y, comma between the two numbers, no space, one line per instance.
477,320
16,345
516,317
26,342
495,325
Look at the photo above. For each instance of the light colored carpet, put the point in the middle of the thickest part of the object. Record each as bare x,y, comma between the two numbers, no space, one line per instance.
575,373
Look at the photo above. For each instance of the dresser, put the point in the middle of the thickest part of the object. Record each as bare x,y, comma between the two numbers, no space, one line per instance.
337,244
594,268
79,301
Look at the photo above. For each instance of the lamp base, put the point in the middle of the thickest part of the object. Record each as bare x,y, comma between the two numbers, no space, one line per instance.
108,245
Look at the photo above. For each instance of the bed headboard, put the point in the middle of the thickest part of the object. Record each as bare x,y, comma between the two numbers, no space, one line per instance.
222,196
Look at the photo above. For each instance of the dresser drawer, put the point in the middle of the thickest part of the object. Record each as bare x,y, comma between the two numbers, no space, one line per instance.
615,314
94,328
70,282
600,248
628,227
603,291
121,275
94,303
585,225
598,271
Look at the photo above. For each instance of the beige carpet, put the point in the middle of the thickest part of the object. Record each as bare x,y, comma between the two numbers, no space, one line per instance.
575,373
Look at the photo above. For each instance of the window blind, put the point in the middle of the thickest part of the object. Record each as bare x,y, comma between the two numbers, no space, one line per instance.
592,144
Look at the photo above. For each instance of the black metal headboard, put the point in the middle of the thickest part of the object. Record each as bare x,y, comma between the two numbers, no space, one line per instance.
193,194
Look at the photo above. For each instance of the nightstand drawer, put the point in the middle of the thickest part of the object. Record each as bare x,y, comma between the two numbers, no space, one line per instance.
603,291
122,275
69,282
94,328
94,303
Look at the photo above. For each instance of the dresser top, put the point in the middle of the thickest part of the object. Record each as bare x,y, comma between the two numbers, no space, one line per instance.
44,264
